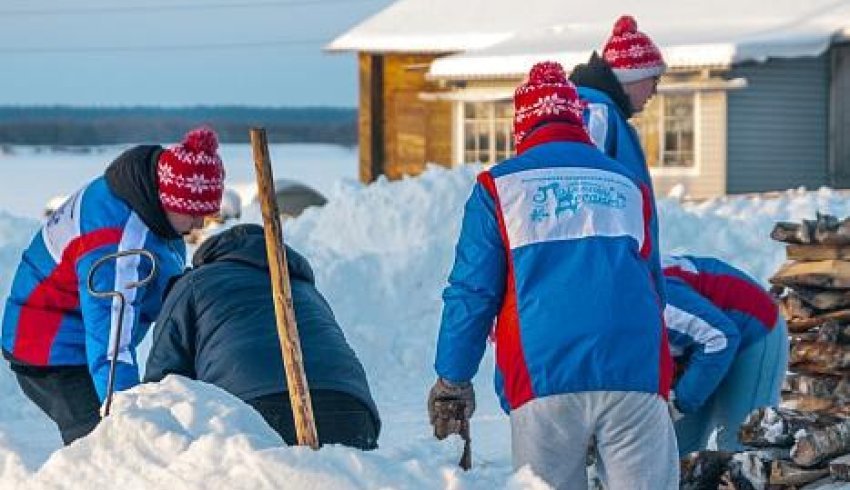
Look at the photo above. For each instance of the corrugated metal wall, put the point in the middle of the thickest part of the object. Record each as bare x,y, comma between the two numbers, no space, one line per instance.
839,108
778,126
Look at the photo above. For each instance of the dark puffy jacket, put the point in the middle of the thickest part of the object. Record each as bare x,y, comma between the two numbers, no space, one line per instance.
218,324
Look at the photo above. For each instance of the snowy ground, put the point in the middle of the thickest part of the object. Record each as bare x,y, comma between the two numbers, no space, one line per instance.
381,254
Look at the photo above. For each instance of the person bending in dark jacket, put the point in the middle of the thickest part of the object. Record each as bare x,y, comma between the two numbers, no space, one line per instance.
218,326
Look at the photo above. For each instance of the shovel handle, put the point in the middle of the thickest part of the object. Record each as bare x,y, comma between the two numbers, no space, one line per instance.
116,341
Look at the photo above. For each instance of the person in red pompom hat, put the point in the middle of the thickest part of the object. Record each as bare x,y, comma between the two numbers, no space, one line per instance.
555,246
547,96
57,335
190,179
614,87
618,85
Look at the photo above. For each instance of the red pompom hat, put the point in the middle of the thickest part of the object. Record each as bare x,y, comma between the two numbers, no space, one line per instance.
632,54
547,96
190,175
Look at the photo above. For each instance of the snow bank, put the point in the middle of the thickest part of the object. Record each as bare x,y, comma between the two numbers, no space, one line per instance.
381,254
737,229
183,434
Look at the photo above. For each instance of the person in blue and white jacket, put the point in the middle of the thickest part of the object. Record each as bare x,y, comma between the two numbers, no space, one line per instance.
731,345
555,245
616,86
55,334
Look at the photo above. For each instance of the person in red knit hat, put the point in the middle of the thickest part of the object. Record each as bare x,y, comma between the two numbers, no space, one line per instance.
614,87
554,247
57,336
618,85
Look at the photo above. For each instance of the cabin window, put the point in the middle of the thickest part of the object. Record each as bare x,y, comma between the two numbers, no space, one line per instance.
487,131
666,129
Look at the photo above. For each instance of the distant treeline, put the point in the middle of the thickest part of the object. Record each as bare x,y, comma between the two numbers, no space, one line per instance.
72,126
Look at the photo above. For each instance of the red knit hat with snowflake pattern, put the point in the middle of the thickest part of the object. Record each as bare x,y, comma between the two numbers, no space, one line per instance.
632,54
190,175
547,96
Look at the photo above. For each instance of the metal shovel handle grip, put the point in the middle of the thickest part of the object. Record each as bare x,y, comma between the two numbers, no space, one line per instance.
116,341
115,256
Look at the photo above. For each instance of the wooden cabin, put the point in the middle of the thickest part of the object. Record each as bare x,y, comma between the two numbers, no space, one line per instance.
746,106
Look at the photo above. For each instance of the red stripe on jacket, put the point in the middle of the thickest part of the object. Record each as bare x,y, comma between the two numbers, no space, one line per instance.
646,248
730,292
509,355
666,366
42,313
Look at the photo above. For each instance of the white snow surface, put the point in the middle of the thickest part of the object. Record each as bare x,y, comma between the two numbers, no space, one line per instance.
381,253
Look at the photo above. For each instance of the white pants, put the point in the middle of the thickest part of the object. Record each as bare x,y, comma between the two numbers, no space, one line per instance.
635,440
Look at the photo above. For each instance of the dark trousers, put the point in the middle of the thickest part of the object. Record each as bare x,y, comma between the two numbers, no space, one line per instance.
340,418
65,393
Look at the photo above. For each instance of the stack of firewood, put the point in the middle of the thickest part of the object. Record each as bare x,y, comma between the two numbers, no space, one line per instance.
790,450
804,444
815,299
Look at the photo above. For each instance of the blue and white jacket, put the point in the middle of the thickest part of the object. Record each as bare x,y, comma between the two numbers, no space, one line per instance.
614,136
555,243
703,342
51,319
736,294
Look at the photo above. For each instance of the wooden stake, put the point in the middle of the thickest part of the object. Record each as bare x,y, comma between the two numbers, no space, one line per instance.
287,329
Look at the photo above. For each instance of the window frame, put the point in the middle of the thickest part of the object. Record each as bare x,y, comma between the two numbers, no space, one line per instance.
492,129
662,170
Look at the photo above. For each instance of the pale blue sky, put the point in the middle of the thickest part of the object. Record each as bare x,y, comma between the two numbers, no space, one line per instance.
178,52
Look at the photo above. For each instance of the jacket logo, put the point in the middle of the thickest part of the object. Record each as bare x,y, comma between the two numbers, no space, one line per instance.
567,197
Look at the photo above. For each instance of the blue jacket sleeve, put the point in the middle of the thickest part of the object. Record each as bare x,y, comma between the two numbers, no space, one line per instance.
475,291
173,349
705,337
100,317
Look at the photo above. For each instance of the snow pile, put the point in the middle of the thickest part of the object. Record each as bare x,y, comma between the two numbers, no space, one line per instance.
737,229
184,434
381,255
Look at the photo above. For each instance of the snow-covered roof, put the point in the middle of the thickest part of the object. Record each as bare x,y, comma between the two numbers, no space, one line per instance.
505,37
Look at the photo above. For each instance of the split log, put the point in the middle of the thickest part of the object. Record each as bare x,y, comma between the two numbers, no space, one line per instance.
825,229
810,335
840,467
816,369
804,325
830,231
834,332
809,252
820,357
702,470
819,386
840,410
827,483
816,446
786,473
824,299
797,233
829,274
793,307
806,403
749,471
776,426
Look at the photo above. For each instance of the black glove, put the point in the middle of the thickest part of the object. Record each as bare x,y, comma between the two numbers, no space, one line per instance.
449,406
